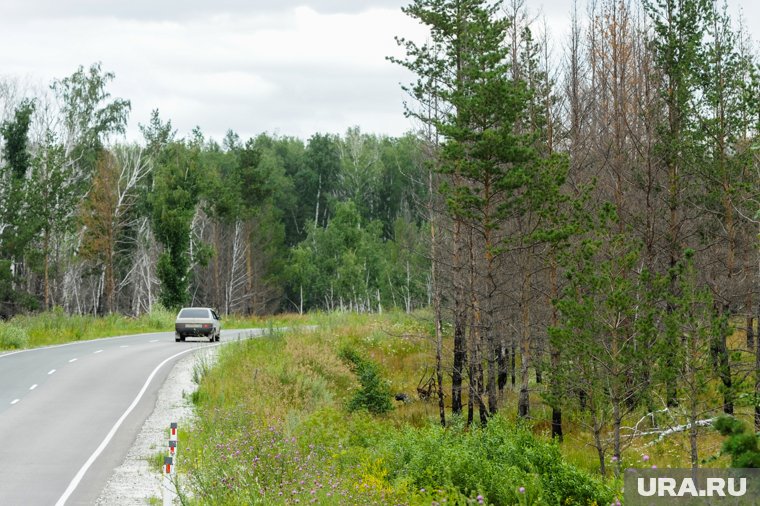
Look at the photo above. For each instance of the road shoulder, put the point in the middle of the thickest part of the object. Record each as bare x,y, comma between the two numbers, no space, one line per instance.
134,482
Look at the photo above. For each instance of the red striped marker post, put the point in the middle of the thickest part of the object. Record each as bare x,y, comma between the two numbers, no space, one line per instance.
168,493
172,447
173,434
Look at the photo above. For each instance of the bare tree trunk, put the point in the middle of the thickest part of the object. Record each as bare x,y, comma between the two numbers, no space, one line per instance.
436,303
513,361
46,254
502,360
724,371
617,419
460,324
555,387
598,443
750,329
473,377
523,403
249,271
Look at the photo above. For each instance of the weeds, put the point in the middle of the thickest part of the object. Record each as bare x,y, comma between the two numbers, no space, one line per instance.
274,428
12,337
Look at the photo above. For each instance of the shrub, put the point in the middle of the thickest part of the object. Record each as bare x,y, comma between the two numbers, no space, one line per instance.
12,337
494,462
374,395
741,445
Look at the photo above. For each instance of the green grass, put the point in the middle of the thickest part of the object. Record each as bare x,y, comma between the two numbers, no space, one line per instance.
56,327
275,426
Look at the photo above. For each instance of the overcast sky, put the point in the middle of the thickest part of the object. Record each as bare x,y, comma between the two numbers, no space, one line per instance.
291,67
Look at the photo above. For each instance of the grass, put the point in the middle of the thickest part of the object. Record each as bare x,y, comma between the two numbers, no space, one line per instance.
274,428
56,327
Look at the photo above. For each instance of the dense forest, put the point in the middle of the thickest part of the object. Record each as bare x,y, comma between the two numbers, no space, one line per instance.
94,224
583,225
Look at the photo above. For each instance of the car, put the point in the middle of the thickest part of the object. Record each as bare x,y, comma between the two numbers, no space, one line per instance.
197,322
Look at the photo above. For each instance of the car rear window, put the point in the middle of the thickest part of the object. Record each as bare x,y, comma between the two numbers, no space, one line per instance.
194,313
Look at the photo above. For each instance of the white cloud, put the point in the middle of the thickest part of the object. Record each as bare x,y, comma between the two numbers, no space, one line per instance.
248,65
296,71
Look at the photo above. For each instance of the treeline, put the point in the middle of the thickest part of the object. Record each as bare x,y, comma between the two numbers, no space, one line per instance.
595,221
94,224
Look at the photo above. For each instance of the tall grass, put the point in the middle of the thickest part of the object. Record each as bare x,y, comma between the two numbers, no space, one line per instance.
274,427
57,327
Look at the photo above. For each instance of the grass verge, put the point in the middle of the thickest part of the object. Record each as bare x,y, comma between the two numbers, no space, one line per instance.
278,424
56,327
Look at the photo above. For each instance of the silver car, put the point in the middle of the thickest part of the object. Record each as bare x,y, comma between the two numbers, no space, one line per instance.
197,322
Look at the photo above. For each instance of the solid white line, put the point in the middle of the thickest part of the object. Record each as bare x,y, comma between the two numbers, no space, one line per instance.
72,360
51,371
99,351
14,401
80,474
33,386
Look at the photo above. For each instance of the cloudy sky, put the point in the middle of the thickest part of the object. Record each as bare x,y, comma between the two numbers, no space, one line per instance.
292,67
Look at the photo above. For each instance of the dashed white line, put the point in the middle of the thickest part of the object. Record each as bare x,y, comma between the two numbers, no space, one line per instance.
153,341
33,387
72,360
99,351
124,346
14,401
51,371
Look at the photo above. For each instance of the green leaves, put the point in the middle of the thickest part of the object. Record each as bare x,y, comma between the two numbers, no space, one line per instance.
374,394
176,192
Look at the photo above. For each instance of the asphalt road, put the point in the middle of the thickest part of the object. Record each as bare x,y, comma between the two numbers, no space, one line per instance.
69,413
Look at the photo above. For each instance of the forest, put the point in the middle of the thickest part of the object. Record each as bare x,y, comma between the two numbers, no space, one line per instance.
582,225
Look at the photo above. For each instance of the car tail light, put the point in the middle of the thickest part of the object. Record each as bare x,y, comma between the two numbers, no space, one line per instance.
206,325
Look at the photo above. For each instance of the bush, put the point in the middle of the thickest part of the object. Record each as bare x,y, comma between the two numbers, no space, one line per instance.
13,337
504,463
374,394
741,445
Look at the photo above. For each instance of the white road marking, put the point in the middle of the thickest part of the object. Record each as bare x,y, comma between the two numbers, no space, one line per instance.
87,341
80,474
124,346
51,371
72,360
33,387
14,401
99,351
153,341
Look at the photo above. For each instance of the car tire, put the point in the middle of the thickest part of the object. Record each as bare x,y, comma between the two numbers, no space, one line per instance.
218,336
177,338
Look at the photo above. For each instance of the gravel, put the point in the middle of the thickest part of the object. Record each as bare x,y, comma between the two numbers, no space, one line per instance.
134,482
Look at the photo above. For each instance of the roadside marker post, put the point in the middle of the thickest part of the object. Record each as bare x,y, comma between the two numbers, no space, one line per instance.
170,466
168,491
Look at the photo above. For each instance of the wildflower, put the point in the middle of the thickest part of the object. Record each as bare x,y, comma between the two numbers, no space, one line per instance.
654,466
615,458
480,499
645,458
521,490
